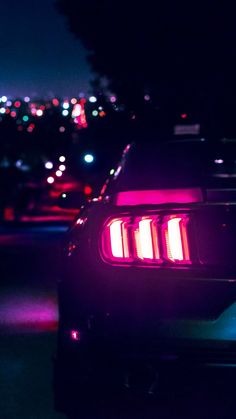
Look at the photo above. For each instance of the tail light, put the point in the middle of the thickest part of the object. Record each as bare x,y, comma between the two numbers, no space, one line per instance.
146,240
176,248
118,239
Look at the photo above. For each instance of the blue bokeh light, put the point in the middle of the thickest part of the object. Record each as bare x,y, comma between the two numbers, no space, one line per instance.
88,158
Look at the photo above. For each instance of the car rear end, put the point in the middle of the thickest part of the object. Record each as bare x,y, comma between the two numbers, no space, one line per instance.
184,288
149,276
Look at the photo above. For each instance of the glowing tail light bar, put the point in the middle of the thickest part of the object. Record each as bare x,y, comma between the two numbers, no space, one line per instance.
161,196
176,242
118,239
146,240
175,249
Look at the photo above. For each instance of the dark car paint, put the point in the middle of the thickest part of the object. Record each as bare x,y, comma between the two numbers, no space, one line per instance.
156,313
136,296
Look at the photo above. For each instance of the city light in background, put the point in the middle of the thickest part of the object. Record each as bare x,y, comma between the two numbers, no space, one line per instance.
50,179
88,158
49,165
52,133
49,143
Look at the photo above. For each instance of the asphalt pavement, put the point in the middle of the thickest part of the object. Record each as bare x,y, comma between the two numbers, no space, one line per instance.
29,266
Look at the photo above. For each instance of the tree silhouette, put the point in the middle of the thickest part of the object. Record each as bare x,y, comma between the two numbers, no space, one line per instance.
180,53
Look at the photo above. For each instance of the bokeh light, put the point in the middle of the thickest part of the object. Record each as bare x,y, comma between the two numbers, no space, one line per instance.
65,105
92,99
50,179
17,104
88,158
39,112
55,102
48,165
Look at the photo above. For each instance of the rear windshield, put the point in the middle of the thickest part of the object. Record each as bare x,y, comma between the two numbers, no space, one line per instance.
186,163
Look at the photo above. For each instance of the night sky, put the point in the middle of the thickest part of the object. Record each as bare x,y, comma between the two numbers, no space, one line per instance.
39,56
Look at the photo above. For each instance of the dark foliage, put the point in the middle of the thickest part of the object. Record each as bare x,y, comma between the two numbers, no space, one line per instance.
182,53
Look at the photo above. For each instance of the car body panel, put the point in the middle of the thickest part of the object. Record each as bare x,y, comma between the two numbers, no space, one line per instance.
155,310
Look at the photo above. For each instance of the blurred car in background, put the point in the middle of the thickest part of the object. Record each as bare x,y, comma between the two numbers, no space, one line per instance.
58,202
148,279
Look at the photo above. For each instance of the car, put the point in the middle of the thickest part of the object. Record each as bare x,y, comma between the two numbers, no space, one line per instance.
148,283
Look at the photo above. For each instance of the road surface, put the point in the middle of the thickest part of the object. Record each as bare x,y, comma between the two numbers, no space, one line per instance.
29,266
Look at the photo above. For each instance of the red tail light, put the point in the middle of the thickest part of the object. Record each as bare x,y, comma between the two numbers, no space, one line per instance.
146,240
175,240
118,239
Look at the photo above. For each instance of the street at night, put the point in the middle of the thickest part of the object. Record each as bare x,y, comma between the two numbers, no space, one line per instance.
117,210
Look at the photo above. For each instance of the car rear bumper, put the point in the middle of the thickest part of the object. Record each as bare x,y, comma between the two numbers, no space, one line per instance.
168,368
172,344
142,316
147,314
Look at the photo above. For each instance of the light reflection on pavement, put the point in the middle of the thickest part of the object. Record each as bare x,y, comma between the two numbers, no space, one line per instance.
28,313
28,322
